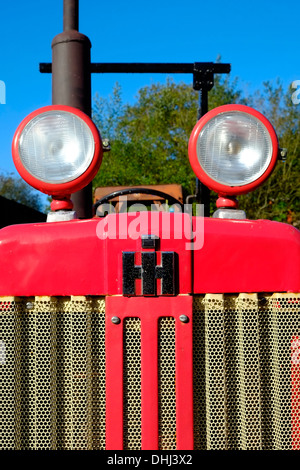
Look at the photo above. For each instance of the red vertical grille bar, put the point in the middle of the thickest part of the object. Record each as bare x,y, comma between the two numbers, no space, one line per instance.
184,384
149,310
114,383
149,383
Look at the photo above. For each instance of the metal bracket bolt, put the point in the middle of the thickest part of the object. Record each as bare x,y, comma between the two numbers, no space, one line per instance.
106,145
282,155
184,319
116,320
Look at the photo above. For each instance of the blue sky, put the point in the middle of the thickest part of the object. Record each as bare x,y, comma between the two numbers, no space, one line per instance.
259,38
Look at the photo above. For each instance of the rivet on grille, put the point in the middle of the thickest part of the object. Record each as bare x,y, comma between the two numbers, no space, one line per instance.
29,305
116,320
184,318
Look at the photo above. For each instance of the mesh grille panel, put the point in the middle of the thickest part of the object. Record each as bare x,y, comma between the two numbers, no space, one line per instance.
166,384
246,373
53,377
7,375
132,384
243,353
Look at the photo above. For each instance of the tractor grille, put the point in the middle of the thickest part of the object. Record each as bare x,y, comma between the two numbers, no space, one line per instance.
52,374
246,373
247,376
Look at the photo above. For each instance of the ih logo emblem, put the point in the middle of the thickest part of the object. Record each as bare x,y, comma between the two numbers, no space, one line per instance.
149,272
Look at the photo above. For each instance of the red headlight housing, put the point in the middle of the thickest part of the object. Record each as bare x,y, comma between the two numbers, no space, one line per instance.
233,149
57,150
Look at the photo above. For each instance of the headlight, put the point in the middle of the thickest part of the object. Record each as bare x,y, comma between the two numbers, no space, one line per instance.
57,149
233,149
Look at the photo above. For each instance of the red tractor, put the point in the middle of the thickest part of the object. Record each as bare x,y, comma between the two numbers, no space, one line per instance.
149,329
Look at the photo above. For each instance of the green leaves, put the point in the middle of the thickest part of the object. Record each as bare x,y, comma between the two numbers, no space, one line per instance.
149,141
17,190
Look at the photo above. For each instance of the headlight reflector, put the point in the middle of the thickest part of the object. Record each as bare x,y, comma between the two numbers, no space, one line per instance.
234,148
56,147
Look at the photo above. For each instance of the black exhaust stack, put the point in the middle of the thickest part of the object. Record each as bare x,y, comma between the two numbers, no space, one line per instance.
71,82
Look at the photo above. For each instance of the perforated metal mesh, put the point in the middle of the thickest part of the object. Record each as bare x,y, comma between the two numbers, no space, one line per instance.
166,384
52,379
246,373
132,384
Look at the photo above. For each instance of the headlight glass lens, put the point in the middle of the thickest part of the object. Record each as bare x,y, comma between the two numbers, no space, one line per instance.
56,147
234,148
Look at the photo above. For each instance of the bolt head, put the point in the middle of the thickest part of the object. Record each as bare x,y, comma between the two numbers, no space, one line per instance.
105,145
116,320
184,319
29,305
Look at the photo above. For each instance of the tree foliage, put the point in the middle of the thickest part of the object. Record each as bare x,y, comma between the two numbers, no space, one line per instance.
279,198
149,141
14,188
